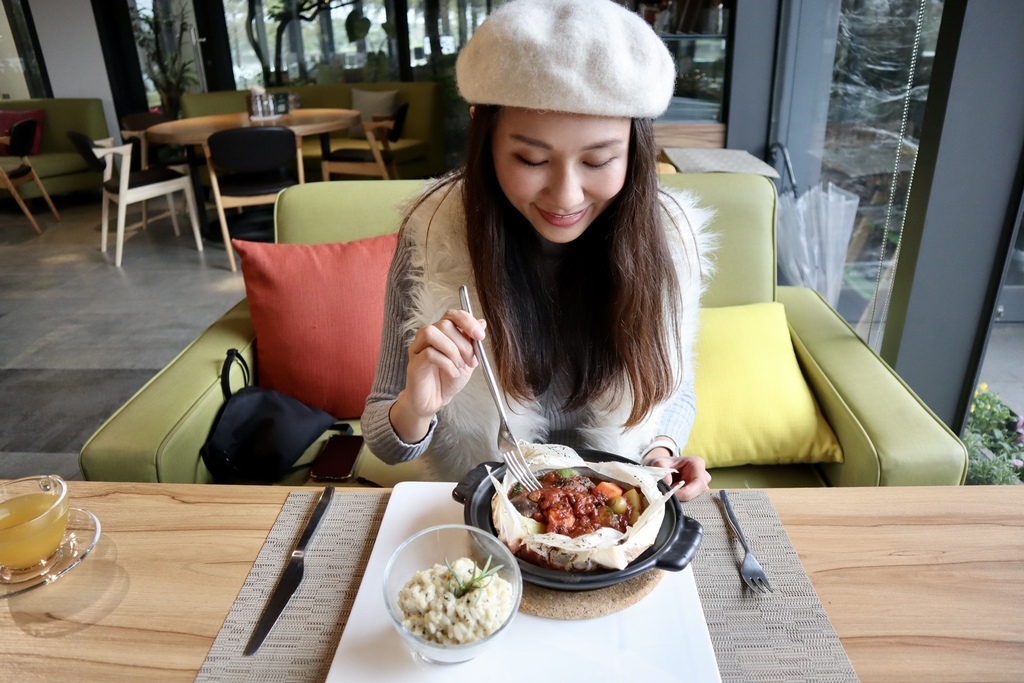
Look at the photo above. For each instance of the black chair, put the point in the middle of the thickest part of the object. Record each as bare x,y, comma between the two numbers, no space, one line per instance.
376,160
249,167
134,127
133,186
20,139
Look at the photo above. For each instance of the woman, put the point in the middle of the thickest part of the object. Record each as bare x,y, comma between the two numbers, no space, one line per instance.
587,277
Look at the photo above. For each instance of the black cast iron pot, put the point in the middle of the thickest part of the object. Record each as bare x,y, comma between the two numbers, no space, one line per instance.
674,547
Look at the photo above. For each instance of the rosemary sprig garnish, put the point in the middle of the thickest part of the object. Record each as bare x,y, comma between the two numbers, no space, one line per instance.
478,579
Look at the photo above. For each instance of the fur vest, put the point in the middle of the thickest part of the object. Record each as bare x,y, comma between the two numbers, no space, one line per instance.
467,427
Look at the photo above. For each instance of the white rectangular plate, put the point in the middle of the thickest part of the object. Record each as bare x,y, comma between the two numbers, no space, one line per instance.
661,638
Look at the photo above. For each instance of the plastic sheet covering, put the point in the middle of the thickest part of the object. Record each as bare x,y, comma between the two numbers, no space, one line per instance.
813,233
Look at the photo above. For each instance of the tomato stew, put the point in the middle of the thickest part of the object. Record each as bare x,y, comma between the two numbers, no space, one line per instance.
572,504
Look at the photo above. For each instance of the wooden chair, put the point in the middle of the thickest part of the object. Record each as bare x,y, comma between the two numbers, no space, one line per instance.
378,160
133,127
130,187
19,144
249,167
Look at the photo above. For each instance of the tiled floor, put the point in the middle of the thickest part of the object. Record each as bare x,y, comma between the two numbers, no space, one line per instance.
78,336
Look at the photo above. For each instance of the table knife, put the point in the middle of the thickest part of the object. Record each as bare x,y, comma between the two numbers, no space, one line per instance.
291,577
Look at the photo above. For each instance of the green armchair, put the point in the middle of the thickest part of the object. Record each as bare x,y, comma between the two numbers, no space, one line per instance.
889,437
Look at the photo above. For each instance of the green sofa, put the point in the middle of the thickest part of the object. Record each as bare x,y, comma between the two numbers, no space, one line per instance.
58,164
419,152
888,436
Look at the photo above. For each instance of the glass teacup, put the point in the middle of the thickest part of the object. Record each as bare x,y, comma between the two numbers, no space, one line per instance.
33,519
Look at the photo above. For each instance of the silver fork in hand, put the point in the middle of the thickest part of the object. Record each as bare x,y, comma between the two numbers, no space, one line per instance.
751,571
507,444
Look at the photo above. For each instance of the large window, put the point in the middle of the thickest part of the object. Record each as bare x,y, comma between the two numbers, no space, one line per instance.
879,89
168,50
302,41
841,218
21,70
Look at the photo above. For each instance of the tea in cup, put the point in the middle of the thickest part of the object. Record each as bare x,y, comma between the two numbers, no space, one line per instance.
33,519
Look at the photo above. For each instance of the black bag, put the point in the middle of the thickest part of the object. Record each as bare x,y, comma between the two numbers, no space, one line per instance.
260,433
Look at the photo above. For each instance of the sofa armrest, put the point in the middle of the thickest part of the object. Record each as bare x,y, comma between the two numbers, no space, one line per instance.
889,436
157,434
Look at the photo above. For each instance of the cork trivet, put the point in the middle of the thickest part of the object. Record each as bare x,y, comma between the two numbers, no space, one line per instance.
552,604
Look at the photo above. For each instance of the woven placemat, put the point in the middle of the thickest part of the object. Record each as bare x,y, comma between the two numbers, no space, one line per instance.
779,636
302,643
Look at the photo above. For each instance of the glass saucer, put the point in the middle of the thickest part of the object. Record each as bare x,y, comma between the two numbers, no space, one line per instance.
83,531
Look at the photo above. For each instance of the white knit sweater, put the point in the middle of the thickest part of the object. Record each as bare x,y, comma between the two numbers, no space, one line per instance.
431,262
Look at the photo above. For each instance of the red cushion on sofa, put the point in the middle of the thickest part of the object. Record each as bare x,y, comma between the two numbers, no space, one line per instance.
9,118
318,311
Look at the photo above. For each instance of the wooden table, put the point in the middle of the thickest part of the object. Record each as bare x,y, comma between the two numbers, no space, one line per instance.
195,131
920,583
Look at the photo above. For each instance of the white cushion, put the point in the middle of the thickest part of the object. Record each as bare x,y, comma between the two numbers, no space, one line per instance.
370,103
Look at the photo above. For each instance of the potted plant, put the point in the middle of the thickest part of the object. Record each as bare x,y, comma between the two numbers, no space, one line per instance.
161,35
994,437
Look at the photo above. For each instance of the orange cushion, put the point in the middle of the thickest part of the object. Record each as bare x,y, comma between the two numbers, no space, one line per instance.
318,312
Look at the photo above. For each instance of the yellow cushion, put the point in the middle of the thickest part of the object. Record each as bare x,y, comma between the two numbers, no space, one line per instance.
753,404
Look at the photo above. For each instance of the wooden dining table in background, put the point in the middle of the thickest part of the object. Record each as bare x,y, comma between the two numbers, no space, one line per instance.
919,583
194,131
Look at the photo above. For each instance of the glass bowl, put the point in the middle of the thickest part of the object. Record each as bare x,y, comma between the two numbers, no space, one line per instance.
432,547
33,518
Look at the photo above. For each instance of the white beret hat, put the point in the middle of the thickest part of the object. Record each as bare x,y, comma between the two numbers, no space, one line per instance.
580,56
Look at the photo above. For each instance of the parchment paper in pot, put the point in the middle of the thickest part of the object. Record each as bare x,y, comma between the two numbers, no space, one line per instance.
604,549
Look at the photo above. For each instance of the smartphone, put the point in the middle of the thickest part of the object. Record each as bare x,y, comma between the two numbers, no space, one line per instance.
337,458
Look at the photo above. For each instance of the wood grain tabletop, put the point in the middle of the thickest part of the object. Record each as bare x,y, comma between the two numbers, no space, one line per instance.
920,583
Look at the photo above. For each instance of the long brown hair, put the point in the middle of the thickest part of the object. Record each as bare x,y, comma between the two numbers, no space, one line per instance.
604,322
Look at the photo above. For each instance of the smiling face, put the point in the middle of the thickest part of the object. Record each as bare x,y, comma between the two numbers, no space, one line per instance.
560,170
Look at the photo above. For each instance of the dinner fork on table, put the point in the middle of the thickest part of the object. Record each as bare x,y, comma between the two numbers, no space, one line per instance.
507,444
751,572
